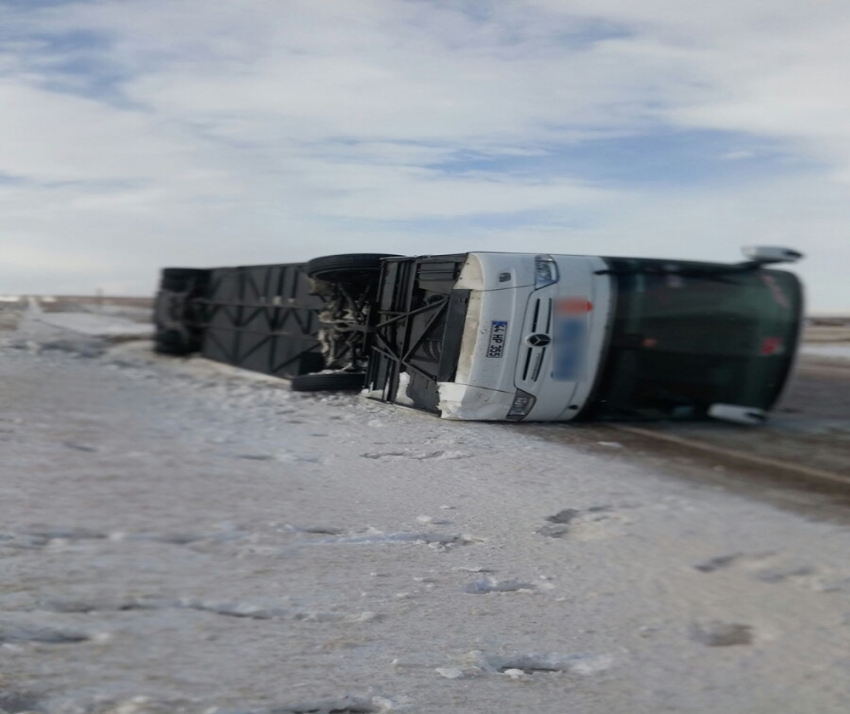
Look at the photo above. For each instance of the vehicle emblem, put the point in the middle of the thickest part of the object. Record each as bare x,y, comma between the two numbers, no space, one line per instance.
538,340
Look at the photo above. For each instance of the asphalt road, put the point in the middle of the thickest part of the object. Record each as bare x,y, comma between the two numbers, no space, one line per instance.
800,459
820,389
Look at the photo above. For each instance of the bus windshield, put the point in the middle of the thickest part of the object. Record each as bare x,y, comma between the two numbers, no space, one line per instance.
686,336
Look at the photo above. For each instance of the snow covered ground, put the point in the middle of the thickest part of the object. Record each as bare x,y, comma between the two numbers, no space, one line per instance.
839,350
177,536
108,323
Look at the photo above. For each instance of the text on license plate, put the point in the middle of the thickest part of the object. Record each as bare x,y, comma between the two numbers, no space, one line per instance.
498,333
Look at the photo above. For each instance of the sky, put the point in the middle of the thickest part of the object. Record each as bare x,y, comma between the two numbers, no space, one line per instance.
136,134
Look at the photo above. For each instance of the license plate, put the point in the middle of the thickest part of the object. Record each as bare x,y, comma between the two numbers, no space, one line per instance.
569,344
498,334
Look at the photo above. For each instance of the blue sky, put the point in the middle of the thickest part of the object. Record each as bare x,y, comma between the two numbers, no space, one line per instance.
135,134
654,157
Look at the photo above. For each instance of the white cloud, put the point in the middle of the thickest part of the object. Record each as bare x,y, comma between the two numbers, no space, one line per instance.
47,136
262,130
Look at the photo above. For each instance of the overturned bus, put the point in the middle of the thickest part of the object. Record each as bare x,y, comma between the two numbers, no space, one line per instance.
527,337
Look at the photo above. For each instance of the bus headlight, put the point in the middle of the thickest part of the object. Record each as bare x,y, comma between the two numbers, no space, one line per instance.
522,405
545,271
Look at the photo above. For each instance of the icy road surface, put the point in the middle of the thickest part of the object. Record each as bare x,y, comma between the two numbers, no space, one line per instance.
179,537
839,350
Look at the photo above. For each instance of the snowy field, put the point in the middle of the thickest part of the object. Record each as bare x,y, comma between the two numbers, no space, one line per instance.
177,536
837,351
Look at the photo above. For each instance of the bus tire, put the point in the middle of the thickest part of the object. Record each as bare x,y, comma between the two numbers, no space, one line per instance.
332,382
172,342
350,267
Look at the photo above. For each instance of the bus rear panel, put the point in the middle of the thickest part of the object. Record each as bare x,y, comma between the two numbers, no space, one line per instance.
416,330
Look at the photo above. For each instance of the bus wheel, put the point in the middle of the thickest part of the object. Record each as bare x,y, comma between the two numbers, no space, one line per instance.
331,382
172,342
348,268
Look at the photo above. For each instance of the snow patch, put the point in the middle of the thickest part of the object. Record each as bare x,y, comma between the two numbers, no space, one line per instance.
487,585
584,664
515,674
417,455
837,351
401,396
97,325
378,538
593,524
292,457
316,530
11,632
450,672
339,705
260,609
722,634
77,346
344,705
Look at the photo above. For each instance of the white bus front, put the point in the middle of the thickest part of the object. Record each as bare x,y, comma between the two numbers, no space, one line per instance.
559,337
533,338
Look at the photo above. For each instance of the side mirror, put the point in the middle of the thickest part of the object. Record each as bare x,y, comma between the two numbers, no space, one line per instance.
766,254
